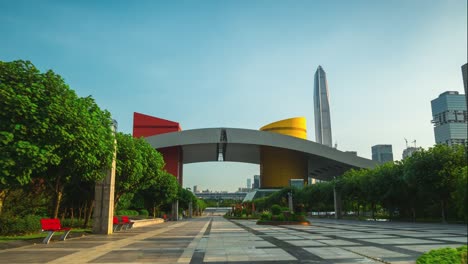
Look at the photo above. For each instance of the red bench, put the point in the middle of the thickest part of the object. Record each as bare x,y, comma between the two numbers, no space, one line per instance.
128,223
117,224
52,225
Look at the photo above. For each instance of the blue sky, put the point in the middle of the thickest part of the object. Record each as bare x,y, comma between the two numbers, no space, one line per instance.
249,63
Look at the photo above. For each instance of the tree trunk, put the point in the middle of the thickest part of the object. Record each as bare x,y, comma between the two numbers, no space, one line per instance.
88,214
373,210
413,212
58,200
442,207
58,195
72,216
80,213
3,195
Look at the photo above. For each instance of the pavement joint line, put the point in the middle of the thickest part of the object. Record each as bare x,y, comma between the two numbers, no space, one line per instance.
198,255
89,254
393,248
190,249
295,251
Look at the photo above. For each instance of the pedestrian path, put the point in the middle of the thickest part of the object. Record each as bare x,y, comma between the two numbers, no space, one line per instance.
216,240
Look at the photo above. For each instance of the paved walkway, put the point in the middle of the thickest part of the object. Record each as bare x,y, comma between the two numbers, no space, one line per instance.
216,240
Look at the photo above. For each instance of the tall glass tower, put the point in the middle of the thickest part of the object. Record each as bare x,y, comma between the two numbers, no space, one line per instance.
323,133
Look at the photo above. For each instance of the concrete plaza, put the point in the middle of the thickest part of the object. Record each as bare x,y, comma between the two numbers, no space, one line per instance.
216,240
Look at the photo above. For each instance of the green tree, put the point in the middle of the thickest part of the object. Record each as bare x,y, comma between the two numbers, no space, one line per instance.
434,170
163,192
138,165
48,132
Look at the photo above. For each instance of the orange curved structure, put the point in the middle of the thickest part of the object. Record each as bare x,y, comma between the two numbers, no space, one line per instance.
278,166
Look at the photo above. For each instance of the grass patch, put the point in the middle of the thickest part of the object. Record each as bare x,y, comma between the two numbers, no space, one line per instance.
4,239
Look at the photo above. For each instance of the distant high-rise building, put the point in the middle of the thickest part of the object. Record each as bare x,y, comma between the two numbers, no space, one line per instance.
408,152
382,153
450,118
256,184
195,188
465,81
323,132
249,183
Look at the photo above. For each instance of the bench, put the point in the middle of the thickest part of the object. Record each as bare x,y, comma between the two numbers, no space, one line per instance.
117,224
128,223
52,225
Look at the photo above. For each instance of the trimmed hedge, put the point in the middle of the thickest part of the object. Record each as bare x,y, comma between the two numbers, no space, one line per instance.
444,256
127,212
28,224
144,212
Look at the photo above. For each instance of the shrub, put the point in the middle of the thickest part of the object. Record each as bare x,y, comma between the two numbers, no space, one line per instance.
67,222
127,212
143,212
10,225
444,256
266,215
277,217
276,209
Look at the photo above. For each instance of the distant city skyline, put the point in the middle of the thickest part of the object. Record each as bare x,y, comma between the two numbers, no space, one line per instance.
249,63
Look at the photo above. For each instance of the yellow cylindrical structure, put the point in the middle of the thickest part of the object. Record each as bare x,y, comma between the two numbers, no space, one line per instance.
278,166
295,127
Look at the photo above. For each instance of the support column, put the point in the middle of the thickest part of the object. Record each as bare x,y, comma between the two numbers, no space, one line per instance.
104,199
175,210
337,202
190,209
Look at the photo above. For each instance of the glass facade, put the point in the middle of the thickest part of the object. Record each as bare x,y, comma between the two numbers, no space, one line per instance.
450,118
382,153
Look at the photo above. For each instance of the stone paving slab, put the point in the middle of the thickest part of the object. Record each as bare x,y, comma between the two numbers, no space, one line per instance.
216,240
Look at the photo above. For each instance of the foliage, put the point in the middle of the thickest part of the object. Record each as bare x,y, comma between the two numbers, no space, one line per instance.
405,190
143,212
138,165
13,225
48,132
162,193
276,209
127,212
444,256
266,215
185,197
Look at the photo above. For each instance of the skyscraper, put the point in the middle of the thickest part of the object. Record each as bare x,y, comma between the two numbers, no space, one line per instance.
249,183
382,153
450,118
256,184
323,133
465,80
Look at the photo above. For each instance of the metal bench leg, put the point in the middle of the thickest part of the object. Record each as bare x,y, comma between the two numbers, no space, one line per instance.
48,237
65,234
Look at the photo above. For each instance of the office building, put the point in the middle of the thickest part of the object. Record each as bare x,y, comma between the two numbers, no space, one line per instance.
323,132
408,152
382,153
450,118
249,183
256,184
195,189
